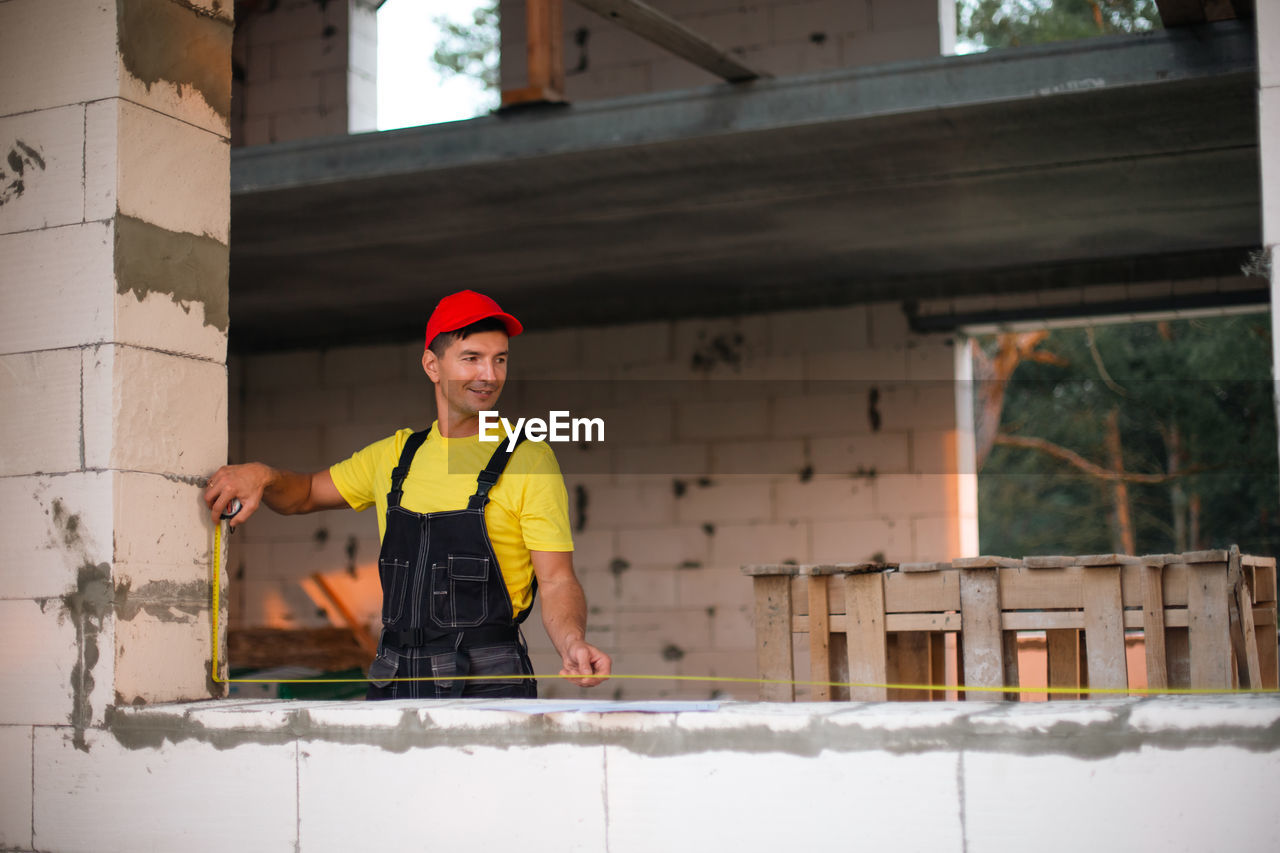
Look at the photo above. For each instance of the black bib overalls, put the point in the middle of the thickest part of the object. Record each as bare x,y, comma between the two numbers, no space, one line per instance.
445,607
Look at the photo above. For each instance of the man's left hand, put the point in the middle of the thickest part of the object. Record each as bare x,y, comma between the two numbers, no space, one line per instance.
585,665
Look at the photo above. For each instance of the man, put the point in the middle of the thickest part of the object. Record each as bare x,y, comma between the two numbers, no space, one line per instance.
470,530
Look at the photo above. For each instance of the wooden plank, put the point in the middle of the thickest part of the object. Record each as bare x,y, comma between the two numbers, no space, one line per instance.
1244,603
909,664
912,568
1153,626
1040,589
758,569
1210,637
1177,643
1265,583
893,622
983,651
1063,652
922,592
937,664
846,568
773,637
1268,654
671,35
1041,620
1104,627
865,632
839,666
1048,562
1192,558
986,563
819,639
1254,561
1100,560
1009,651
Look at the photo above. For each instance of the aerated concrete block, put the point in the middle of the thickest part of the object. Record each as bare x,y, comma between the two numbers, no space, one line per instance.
50,527
57,290
81,36
146,792
40,412
42,169
15,787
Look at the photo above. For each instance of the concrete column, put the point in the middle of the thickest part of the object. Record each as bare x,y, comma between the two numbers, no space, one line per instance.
1268,23
114,214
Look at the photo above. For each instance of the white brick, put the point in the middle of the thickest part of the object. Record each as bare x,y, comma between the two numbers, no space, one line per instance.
40,402
936,538
363,364
726,500
641,587
333,784
295,449
310,404
15,786
281,370
916,494
49,189
798,21
164,656
81,36
308,55
712,345
678,460
888,324
162,530
934,451
172,174
101,159
818,330
723,419
546,350
734,545
675,546
884,364
37,653
62,273
653,631
104,798
833,408
170,412
883,794
635,343
882,452
668,75
638,424
825,498
641,505
853,541
343,440
931,359
718,587
733,629
49,528
759,457
616,82
997,813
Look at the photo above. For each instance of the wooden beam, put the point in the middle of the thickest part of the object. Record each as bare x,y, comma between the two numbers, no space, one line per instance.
819,638
545,45
667,33
868,653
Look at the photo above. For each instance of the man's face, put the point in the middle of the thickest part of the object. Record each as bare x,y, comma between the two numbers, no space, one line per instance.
470,375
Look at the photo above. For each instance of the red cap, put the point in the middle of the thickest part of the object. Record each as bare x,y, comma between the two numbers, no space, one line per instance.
464,308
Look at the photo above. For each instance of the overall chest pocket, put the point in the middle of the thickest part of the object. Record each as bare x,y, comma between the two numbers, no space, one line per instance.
460,591
394,574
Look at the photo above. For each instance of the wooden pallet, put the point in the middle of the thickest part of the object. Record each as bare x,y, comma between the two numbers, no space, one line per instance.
1207,619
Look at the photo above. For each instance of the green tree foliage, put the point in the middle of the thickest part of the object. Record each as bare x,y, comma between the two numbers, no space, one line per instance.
988,24
470,49
1196,418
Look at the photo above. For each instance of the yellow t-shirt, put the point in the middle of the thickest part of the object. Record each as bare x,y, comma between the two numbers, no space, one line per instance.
528,509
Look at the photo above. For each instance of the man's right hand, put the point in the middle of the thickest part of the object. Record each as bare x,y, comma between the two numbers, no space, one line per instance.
245,483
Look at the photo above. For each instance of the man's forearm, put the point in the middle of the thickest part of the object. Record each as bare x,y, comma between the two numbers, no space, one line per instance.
564,613
286,492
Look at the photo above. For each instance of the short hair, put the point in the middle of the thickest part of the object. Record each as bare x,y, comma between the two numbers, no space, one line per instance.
444,340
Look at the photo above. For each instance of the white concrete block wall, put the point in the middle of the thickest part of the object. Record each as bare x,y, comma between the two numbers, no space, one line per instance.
1135,774
114,203
777,37
305,69
1268,25
832,438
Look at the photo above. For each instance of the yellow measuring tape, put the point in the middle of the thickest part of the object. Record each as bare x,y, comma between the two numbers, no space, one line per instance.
1092,691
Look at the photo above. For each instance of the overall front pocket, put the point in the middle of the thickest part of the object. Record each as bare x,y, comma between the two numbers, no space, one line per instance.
460,591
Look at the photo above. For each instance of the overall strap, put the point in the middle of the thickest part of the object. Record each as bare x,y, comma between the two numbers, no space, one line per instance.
489,476
402,467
